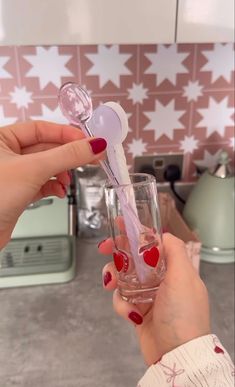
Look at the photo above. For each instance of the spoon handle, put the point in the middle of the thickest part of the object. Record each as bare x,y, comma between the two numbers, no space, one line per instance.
105,165
125,193
117,162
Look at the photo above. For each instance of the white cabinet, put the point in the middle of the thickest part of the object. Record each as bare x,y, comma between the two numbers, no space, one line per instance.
115,21
87,21
205,21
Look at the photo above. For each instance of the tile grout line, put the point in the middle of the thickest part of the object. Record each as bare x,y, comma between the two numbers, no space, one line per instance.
137,121
163,146
177,145
137,81
79,71
218,90
214,143
192,105
188,156
190,129
138,64
18,78
165,92
194,62
124,94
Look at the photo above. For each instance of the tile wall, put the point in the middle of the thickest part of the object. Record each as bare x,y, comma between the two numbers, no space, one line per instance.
179,98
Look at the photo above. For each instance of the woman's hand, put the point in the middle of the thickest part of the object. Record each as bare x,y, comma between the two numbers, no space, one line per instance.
31,154
180,312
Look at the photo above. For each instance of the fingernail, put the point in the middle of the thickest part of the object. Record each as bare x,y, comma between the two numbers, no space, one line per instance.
99,244
98,145
135,317
107,278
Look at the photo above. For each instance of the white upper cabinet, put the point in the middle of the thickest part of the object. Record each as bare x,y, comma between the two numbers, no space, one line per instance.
24,22
205,21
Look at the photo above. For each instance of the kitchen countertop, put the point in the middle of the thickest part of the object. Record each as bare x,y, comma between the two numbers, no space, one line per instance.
68,335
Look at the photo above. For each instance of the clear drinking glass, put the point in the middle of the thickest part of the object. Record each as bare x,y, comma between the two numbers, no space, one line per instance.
133,286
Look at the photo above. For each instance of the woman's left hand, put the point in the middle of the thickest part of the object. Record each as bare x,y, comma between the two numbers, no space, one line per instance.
31,154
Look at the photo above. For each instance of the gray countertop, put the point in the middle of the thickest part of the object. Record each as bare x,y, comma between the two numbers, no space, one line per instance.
68,335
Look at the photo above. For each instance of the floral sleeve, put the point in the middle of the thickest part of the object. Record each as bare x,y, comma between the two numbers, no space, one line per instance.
202,362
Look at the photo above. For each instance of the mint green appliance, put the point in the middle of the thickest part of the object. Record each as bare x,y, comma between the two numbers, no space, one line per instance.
209,211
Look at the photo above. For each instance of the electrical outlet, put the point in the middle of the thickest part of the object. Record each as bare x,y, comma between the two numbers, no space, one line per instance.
156,165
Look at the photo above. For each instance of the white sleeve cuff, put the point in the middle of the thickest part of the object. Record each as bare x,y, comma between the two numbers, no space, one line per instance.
202,362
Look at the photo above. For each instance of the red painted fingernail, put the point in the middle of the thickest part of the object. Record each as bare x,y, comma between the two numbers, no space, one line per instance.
135,317
121,261
107,278
100,243
118,261
98,145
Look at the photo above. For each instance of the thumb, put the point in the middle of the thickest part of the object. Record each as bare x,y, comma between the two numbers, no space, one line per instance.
71,155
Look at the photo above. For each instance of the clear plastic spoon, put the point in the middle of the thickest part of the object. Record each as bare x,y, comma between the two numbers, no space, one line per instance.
107,121
76,105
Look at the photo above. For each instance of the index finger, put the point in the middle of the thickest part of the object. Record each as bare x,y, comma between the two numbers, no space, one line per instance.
36,132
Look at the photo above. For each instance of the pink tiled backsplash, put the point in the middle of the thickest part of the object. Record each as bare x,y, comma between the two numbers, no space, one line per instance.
179,98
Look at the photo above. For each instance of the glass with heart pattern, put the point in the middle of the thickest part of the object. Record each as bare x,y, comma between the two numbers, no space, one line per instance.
142,193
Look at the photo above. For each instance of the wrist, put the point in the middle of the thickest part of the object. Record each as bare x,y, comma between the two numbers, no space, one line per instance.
175,341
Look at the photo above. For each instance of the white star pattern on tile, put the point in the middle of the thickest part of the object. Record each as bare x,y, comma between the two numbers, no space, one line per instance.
189,144
164,120
197,78
208,160
137,147
51,115
21,97
48,65
108,64
4,74
192,91
166,63
232,142
220,61
6,120
128,117
137,93
216,117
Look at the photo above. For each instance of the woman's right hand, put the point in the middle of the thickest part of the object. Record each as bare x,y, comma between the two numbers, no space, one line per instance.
180,312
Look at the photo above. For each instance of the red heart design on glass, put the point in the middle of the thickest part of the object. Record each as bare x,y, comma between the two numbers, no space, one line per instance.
121,261
151,256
